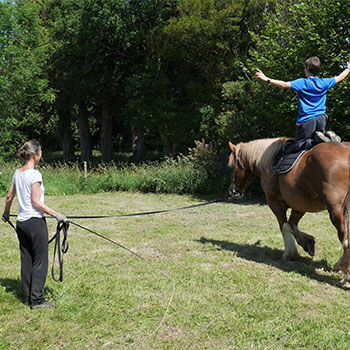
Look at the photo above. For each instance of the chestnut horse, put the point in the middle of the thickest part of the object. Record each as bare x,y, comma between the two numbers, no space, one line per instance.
320,180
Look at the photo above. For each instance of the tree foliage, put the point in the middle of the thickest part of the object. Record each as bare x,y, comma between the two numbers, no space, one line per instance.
293,32
158,74
23,84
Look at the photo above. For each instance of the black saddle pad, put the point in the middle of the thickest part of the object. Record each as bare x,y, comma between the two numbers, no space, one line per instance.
287,162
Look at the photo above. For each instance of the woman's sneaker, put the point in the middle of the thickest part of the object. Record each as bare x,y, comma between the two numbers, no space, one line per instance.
333,136
44,304
321,137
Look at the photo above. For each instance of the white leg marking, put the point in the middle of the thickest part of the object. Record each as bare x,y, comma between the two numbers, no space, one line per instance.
290,249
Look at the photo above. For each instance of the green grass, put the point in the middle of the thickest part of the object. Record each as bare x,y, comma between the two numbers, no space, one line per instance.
232,291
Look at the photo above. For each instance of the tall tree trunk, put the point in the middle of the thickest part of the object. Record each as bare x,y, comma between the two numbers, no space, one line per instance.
174,147
165,139
84,132
64,110
137,141
67,141
106,131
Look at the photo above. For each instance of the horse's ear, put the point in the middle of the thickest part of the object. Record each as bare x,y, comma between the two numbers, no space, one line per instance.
232,146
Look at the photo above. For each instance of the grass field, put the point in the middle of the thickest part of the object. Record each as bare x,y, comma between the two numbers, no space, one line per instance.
218,266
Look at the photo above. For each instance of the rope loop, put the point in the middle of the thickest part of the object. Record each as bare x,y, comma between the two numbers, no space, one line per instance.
59,249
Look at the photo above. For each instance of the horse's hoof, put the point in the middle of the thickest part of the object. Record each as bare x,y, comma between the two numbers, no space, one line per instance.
339,268
291,256
311,247
346,283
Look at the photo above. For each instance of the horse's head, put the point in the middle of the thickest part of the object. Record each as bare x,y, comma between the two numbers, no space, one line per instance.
241,173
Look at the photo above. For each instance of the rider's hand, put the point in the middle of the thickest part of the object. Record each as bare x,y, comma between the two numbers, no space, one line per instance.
259,74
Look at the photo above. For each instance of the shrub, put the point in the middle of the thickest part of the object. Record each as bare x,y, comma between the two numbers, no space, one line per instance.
202,172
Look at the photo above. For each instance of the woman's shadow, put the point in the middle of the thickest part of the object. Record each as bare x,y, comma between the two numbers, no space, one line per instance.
14,287
272,257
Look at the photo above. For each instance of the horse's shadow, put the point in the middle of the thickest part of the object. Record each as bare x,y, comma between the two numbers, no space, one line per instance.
272,257
14,287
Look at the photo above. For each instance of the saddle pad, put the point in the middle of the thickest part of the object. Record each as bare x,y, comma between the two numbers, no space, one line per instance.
287,162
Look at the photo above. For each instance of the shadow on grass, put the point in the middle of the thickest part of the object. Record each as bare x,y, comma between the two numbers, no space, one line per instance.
264,255
14,286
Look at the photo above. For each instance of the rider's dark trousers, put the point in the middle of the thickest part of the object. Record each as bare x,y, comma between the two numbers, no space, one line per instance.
33,243
305,132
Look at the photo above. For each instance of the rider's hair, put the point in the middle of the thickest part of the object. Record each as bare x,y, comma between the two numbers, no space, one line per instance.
313,65
30,148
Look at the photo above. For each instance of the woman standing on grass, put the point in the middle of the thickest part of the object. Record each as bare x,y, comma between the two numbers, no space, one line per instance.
31,224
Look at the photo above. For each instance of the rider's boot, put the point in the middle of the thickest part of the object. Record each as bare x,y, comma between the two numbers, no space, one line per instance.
333,136
321,137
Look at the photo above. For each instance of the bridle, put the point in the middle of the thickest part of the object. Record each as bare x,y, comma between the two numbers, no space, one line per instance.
233,187
236,164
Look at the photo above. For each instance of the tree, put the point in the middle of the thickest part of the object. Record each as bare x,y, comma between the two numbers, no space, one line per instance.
295,30
202,48
23,83
149,93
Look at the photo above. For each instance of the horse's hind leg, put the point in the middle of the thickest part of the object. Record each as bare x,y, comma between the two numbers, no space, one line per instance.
339,216
306,241
336,215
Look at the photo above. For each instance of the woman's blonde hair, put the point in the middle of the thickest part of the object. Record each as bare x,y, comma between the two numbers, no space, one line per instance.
28,149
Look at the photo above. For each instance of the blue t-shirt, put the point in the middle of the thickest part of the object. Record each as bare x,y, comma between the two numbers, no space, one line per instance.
312,96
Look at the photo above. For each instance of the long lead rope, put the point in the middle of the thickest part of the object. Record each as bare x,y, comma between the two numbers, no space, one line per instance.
148,212
61,249
139,214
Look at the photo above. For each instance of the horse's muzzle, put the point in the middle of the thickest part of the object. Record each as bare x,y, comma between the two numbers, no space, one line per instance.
234,192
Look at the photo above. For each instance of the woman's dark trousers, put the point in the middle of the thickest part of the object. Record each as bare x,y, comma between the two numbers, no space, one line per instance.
33,242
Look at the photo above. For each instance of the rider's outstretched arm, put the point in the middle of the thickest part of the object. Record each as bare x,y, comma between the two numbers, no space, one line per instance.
343,74
279,83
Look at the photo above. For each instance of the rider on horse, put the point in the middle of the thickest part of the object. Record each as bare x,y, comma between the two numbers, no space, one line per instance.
311,121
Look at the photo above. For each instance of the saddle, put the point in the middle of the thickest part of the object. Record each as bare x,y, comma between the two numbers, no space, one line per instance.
287,162
290,153
286,158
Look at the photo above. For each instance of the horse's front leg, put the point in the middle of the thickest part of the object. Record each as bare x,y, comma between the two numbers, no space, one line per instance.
279,208
306,241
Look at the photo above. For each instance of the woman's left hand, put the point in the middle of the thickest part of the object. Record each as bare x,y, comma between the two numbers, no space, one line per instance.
6,217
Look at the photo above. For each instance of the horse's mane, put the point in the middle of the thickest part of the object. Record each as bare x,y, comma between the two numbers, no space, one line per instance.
259,154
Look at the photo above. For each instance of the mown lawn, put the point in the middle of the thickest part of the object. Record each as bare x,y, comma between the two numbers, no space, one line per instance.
222,275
